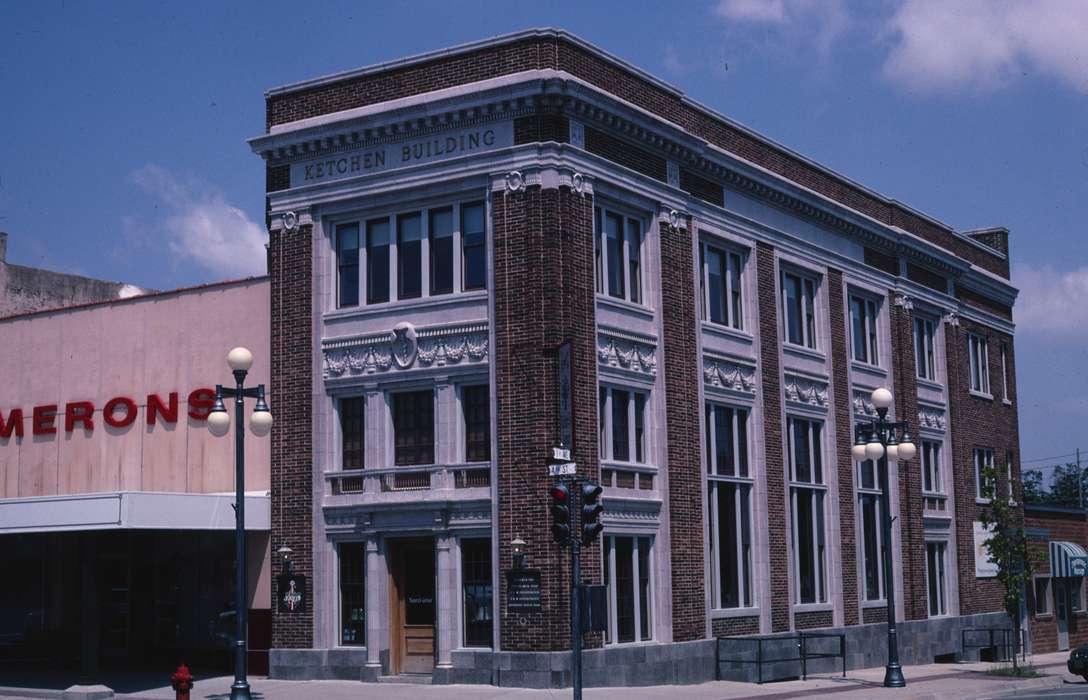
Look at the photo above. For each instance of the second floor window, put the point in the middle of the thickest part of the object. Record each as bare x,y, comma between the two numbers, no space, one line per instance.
622,415
473,247
409,256
352,432
721,286
979,364
863,316
377,261
476,406
413,427
932,480
618,255
1004,372
924,333
808,492
799,309
984,462
347,265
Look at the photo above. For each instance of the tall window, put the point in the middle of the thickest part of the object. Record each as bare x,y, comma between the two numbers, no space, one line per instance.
347,265
476,406
870,484
1042,595
722,286
984,460
729,493
807,497
352,593
628,575
1004,372
409,256
618,254
936,586
440,234
377,261
1009,485
473,250
352,432
622,416
924,360
799,309
980,366
477,592
863,315
932,480
413,427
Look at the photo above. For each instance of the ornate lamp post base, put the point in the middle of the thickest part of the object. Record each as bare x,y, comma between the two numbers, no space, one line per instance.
893,676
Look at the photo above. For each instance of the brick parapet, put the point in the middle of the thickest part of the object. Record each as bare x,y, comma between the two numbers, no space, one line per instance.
536,308
682,378
290,258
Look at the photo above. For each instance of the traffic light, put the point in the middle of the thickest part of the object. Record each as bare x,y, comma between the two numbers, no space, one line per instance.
560,494
591,512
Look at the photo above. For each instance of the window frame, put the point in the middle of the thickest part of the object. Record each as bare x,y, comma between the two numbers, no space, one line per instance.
925,362
736,261
934,472
638,437
462,569
870,321
987,460
632,267
393,395
463,390
819,490
341,419
1047,597
609,568
742,484
942,582
808,281
871,494
1005,373
338,251
978,365
341,594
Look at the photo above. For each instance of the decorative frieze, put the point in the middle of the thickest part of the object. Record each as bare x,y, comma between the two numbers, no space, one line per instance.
931,417
627,351
726,374
404,348
904,301
802,390
863,405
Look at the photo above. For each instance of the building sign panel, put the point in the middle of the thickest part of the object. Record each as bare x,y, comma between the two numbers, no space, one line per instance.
292,593
523,591
985,567
389,156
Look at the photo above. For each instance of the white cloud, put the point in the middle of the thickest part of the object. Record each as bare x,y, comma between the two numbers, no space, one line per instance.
201,226
753,10
986,44
1051,302
819,23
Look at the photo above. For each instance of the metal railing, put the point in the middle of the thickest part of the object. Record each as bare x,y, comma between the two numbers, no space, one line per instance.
429,477
804,655
1007,644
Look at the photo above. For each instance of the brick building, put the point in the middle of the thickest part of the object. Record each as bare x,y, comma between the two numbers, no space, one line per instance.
1057,538
441,224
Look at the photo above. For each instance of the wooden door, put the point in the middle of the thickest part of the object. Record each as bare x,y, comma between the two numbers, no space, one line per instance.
412,617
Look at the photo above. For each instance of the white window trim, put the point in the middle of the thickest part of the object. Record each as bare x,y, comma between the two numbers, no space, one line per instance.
871,323
978,359
740,323
745,566
929,345
601,244
806,305
613,611
632,433
882,590
987,455
1005,374
938,482
942,587
822,597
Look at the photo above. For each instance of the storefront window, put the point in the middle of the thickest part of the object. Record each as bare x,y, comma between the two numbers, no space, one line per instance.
476,585
627,573
352,593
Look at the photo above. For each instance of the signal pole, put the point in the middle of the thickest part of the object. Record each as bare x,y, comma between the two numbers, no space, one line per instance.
575,599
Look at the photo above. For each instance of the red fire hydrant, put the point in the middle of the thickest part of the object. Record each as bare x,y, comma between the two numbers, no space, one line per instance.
182,682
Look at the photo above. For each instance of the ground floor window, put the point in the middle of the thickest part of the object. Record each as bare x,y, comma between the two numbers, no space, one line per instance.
1042,596
353,593
872,545
1076,593
477,592
809,544
628,575
730,519
936,581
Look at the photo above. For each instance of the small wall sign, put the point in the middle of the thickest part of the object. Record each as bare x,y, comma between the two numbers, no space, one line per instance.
523,591
292,593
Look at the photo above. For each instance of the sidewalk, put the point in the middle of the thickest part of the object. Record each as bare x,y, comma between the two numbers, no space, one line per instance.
931,682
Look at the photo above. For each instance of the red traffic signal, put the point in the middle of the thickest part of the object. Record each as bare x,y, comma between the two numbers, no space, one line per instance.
591,512
560,507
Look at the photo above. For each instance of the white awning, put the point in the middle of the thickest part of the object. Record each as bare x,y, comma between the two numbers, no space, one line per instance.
131,510
1068,559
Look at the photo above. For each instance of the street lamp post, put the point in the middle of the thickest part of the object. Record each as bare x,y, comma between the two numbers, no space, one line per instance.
884,440
239,360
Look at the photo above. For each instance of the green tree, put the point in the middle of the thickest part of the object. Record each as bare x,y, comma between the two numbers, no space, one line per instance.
1066,488
1008,549
1034,491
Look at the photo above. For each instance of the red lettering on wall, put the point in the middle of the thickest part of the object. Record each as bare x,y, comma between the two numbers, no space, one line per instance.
200,403
13,424
43,419
78,412
155,407
108,413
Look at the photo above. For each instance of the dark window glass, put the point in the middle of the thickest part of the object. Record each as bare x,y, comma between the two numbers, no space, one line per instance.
473,242
868,474
625,590
723,430
640,432
476,584
377,261
793,309
727,537
347,264
872,561
634,259
734,273
620,444
613,230
441,244
352,593
810,545
857,321
715,271
644,587
419,587
409,256
602,406
810,315
597,257
413,427
352,431
476,402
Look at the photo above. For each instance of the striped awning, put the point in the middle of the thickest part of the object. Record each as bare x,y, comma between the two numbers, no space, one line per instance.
1068,559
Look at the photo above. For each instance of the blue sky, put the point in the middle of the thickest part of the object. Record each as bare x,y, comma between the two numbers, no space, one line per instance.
123,155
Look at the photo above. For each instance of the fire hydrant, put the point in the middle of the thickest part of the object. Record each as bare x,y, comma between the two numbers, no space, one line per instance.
182,682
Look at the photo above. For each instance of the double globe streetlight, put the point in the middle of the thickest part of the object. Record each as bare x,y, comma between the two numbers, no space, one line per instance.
881,440
260,422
